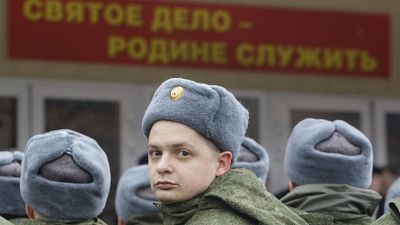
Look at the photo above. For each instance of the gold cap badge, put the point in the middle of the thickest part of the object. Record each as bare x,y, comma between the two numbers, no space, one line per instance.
177,93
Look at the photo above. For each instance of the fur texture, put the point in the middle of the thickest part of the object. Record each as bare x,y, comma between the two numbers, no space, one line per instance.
305,164
260,167
60,200
11,202
127,201
209,109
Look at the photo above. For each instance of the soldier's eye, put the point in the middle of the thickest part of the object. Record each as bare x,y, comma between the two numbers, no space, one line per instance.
154,153
183,153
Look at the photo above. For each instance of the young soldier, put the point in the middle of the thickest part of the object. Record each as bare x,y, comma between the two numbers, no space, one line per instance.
11,204
134,199
330,168
195,132
254,157
65,179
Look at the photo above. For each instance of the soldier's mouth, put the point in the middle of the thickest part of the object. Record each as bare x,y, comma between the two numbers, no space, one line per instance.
165,185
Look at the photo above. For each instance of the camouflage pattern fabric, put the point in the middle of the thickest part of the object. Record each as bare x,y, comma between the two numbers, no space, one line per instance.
315,218
238,197
95,221
393,216
4,221
344,204
149,219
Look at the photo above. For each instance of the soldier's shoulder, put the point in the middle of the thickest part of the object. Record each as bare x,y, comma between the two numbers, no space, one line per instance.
219,217
314,218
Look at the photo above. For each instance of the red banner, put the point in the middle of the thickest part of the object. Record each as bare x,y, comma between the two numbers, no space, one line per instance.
197,35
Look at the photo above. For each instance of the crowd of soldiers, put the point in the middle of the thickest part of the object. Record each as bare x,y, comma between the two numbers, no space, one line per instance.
201,170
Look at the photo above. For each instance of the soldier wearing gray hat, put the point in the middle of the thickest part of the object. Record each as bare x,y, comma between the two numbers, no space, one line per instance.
11,203
329,165
134,199
194,135
65,179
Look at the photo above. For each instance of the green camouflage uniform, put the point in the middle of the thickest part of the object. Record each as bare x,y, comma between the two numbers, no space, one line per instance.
238,198
150,219
4,221
333,204
95,221
393,216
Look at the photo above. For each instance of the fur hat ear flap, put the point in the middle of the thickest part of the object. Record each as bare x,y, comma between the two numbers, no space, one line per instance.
129,201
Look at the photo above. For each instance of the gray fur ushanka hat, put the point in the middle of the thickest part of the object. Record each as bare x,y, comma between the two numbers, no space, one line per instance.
306,163
63,200
211,110
128,201
257,161
11,202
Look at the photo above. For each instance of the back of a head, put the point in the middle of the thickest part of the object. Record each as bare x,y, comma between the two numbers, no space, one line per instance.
324,152
393,192
11,203
254,157
65,175
134,196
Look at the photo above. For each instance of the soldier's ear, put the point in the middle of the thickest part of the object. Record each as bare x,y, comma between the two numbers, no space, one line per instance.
29,212
224,163
292,185
120,221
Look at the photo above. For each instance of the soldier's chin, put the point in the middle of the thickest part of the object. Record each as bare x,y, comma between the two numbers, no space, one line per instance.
166,198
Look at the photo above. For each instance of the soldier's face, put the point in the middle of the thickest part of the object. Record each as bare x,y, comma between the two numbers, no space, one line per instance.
182,162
